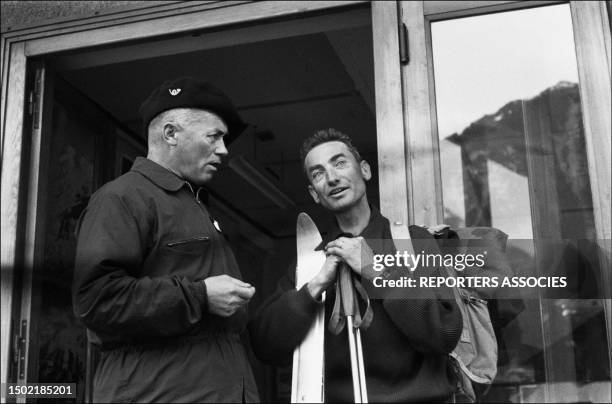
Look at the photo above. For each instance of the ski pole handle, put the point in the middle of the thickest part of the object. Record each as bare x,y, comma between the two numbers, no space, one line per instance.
347,293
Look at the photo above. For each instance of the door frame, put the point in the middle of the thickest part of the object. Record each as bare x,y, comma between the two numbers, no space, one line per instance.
21,157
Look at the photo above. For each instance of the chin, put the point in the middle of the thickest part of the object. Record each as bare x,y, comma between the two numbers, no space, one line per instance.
339,206
342,205
202,180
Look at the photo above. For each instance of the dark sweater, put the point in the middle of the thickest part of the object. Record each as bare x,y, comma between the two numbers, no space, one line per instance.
405,348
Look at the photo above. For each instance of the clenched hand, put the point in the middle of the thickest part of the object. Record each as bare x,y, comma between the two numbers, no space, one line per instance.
227,294
355,252
325,277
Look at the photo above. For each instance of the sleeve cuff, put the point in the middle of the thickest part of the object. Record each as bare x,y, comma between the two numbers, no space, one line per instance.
306,300
202,295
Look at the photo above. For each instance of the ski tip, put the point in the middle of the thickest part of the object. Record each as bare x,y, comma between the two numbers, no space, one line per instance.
304,221
306,226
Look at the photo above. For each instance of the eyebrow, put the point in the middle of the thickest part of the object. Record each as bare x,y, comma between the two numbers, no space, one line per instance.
337,156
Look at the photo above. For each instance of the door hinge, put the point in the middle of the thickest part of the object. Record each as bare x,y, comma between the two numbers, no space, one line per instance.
403,44
19,350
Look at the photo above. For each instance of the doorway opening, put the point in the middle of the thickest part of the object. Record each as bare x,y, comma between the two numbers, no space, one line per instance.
288,79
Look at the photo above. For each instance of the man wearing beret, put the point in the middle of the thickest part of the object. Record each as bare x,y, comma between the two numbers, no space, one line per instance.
155,281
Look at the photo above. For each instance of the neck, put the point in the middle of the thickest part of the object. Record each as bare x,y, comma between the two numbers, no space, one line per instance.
356,219
159,159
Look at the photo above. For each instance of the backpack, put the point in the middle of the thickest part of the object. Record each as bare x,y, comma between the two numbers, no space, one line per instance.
474,359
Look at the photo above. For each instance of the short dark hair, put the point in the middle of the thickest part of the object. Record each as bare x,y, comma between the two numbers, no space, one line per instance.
324,136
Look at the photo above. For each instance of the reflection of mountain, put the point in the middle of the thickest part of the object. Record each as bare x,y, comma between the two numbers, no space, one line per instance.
500,134
541,139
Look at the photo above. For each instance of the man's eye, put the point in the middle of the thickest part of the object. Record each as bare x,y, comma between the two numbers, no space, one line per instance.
316,175
340,163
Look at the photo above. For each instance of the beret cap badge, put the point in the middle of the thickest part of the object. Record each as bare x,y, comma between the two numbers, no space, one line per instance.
174,91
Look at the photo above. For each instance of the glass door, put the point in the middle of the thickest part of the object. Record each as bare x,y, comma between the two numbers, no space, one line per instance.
75,157
510,151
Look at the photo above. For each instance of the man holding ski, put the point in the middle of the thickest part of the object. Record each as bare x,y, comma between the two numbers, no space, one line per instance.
406,346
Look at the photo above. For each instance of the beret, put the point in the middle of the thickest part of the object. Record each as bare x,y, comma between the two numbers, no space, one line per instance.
188,92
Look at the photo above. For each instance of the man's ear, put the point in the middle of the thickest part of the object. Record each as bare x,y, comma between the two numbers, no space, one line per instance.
313,194
169,134
366,171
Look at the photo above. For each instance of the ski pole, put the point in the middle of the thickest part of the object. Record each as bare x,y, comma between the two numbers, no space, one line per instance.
360,366
354,365
354,337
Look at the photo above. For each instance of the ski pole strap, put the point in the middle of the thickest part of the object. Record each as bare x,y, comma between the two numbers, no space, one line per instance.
346,302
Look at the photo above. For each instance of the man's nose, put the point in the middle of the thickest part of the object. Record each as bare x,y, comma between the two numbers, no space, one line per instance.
332,176
221,149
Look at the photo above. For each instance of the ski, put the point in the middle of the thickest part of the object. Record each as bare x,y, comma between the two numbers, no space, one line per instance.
307,382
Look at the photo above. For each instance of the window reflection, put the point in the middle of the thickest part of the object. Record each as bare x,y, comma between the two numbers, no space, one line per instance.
513,157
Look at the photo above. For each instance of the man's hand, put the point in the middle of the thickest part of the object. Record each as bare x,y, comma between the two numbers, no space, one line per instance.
355,252
227,294
325,277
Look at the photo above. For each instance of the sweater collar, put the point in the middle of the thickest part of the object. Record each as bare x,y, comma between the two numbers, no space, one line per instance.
374,229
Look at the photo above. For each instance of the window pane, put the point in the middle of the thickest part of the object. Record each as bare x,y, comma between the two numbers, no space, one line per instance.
512,155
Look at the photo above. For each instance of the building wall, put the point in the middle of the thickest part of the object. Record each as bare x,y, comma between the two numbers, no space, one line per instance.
19,14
